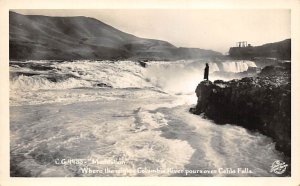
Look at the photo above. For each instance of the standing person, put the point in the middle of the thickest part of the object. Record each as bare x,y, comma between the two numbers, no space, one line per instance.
206,71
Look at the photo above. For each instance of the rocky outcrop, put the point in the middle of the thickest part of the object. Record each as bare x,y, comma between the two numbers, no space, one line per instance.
261,103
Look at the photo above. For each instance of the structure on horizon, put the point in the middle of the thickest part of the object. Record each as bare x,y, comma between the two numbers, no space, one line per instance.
241,50
242,44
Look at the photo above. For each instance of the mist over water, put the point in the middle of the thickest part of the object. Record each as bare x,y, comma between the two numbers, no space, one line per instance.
172,77
122,111
240,66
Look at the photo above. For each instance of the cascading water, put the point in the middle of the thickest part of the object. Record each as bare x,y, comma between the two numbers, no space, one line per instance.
237,66
140,119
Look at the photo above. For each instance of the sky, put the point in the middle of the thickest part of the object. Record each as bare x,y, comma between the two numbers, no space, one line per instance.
215,29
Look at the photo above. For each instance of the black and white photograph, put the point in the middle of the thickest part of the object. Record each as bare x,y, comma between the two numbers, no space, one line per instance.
184,93
150,93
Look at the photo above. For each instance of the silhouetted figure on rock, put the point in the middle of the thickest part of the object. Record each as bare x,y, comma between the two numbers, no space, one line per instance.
206,71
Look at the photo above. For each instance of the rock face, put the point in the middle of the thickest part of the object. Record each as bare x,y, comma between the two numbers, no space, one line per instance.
75,38
261,103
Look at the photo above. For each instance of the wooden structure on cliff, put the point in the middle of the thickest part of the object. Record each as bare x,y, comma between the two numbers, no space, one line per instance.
241,44
242,50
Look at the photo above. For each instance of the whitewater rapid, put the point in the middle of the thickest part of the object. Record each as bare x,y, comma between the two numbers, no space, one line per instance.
133,119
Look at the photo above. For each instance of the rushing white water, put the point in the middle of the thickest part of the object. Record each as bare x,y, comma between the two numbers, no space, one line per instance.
237,66
173,77
131,119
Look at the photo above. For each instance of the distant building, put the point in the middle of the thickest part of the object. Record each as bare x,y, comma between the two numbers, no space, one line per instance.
241,44
242,50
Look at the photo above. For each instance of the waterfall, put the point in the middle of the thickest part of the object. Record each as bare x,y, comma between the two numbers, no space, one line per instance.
237,66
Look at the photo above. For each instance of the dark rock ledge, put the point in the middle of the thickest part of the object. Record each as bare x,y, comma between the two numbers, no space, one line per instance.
261,103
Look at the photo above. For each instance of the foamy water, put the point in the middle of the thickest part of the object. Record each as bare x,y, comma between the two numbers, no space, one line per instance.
179,77
237,66
136,118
